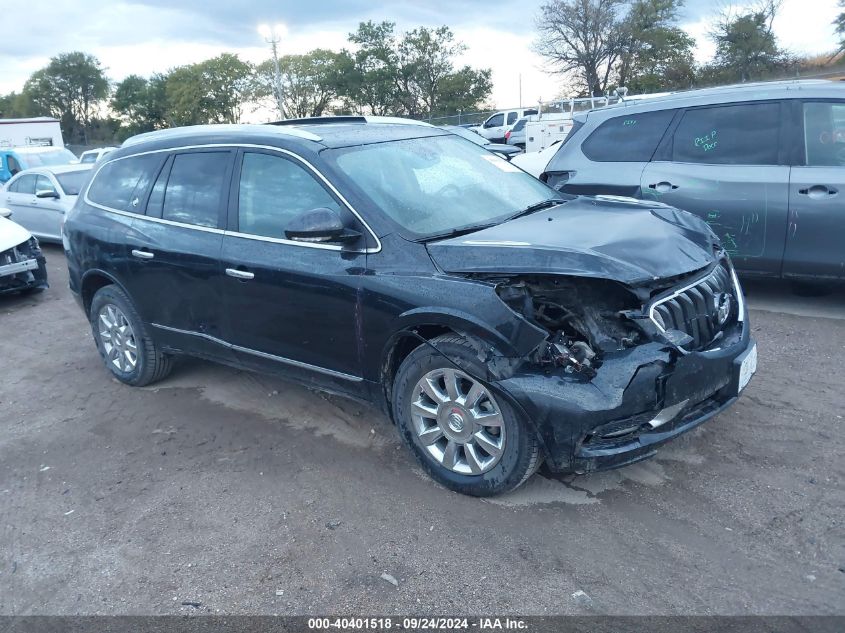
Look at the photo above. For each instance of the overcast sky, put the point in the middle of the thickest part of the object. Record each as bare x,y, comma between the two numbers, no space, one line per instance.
144,36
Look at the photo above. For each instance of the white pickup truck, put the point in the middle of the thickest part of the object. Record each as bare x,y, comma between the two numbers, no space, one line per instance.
497,125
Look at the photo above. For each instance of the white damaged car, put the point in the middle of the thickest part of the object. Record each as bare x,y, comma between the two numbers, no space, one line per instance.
22,264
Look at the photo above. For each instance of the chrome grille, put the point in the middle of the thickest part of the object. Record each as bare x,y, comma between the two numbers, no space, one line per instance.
694,307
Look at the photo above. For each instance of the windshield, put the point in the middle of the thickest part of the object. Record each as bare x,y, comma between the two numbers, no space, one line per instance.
435,185
88,158
49,157
72,181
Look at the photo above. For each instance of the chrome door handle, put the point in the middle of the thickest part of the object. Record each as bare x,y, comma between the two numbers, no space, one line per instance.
818,191
142,254
662,187
240,274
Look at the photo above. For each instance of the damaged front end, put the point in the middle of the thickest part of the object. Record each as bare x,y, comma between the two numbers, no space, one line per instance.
625,368
23,268
584,317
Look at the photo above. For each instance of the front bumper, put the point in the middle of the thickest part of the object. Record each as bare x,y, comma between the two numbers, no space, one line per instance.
639,399
22,268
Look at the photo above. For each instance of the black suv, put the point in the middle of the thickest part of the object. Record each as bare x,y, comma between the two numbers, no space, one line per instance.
498,321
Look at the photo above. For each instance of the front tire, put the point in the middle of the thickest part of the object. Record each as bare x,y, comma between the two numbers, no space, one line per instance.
462,432
123,341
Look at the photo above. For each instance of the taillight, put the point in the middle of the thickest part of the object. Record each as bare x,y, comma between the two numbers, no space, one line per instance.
507,135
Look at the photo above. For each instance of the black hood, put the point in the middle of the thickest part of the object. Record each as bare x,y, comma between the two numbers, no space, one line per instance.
623,239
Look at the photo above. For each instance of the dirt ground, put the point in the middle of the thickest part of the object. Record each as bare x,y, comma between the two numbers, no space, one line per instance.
240,493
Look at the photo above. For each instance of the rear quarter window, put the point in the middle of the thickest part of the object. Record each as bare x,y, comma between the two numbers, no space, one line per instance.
627,138
122,184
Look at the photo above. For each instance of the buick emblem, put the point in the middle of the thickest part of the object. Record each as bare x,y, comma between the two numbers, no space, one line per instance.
723,303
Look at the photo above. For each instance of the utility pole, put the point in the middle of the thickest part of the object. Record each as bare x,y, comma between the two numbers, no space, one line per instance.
273,35
520,90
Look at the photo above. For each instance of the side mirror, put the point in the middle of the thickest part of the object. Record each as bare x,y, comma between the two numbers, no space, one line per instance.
319,225
5,213
46,193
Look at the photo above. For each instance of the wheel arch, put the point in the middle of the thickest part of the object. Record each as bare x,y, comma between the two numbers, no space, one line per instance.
91,282
418,327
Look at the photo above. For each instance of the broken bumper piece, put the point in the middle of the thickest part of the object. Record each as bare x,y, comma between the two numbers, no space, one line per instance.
22,268
638,400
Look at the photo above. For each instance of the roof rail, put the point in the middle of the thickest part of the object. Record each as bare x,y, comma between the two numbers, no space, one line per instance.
326,120
189,130
320,120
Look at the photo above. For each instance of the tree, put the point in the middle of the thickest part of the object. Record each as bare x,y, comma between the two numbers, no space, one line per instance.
213,91
310,82
657,55
839,23
425,60
463,91
746,46
71,88
140,103
584,37
412,75
17,105
372,85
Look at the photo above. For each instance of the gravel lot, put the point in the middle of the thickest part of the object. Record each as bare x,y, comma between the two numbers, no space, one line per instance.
240,493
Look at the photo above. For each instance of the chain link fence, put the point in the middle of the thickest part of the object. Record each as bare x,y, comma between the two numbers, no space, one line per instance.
461,118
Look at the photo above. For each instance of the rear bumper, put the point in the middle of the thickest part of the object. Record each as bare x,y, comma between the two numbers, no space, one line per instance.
639,400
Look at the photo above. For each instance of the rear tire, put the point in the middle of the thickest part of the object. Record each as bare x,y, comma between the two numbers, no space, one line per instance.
461,431
124,342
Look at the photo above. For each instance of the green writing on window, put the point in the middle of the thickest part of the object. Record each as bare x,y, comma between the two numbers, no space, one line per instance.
629,122
706,142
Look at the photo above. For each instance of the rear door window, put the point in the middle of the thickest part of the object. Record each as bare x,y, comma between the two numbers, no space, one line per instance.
122,184
628,138
24,184
743,134
824,134
196,188
511,118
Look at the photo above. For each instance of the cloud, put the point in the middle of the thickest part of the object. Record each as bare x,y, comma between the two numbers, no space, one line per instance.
146,36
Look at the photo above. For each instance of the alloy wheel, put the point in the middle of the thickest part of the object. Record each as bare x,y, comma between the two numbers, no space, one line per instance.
458,422
117,337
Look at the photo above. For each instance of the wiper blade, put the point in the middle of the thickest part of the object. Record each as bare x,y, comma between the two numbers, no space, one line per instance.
538,206
455,232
